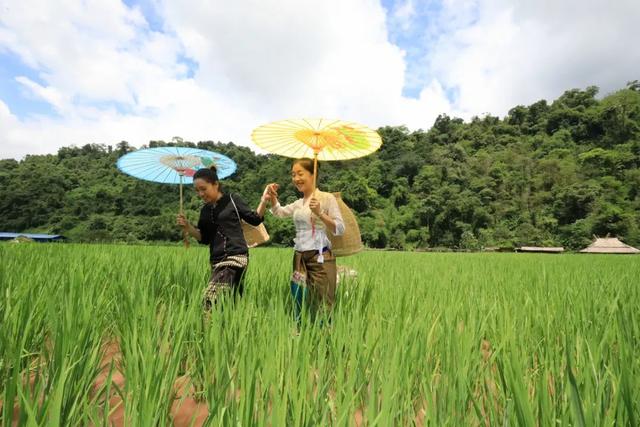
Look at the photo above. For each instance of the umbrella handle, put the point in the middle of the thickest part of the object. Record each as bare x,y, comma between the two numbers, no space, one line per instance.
313,193
315,170
185,237
185,234
181,210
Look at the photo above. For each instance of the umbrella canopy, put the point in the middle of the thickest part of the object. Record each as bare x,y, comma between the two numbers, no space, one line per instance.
323,139
173,165
319,139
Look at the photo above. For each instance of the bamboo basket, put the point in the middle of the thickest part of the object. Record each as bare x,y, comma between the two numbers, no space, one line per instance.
254,235
350,242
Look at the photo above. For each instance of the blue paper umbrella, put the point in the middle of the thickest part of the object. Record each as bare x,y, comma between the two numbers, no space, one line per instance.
173,165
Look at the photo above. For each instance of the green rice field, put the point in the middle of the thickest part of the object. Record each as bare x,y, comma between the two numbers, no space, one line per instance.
115,335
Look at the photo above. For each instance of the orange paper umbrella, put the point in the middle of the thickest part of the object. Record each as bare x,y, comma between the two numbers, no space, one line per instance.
319,139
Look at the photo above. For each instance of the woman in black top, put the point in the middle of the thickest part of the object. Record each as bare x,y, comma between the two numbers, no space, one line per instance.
219,227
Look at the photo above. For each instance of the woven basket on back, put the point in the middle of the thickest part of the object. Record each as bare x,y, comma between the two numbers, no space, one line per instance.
350,242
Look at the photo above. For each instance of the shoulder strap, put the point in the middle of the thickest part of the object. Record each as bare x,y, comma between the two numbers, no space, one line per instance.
235,207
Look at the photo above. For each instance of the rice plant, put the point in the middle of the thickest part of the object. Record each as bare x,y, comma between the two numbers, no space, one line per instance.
115,335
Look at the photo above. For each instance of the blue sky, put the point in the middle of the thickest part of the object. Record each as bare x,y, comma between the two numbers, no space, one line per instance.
105,71
150,12
415,34
15,95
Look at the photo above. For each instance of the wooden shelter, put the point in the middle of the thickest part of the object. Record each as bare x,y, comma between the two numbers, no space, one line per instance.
541,249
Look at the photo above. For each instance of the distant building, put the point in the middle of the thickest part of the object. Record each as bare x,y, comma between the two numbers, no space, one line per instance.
541,249
498,249
33,237
609,245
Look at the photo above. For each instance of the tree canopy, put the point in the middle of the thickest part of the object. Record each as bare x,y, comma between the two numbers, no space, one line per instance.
546,174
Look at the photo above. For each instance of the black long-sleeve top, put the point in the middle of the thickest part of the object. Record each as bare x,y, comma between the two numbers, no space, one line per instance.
220,227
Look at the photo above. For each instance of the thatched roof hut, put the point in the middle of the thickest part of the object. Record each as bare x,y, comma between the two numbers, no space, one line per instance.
609,245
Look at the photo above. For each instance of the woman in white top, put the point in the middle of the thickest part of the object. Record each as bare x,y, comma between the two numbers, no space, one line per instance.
315,215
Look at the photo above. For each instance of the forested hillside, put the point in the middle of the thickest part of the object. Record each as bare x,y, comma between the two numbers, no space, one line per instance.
546,174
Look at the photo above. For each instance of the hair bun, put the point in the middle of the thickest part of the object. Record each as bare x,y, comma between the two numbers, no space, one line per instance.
214,169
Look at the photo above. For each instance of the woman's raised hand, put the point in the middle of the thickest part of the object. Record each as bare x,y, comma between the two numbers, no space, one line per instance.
271,193
181,220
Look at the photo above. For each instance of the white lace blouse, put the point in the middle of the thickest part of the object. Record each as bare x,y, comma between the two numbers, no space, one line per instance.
312,236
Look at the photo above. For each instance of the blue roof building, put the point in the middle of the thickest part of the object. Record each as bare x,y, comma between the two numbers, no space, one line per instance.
33,236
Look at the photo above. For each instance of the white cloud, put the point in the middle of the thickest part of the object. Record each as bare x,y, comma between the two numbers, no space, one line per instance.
93,51
257,61
111,78
49,94
520,52
290,56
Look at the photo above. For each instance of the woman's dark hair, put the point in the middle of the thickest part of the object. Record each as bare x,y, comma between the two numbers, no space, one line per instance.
307,164
209,174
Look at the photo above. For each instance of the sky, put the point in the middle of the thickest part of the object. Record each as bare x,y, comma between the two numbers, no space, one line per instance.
74,72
